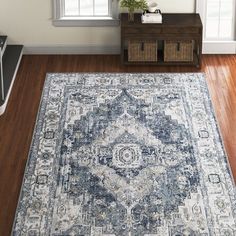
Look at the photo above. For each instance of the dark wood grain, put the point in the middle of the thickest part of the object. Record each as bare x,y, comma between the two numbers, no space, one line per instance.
169,20
175,27
16,125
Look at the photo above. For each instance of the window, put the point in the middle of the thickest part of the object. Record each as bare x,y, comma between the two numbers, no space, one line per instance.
88,8
219,21
85,12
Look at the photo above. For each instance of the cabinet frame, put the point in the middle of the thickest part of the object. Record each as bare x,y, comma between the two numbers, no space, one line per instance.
174,26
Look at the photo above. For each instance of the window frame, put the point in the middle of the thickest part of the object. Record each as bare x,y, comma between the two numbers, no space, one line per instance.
201,8
216,46
92,21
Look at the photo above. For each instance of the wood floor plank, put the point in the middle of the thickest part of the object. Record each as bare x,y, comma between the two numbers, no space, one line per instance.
17,123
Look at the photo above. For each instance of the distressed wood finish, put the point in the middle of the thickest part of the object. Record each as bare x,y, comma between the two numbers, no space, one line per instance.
16,125
175,27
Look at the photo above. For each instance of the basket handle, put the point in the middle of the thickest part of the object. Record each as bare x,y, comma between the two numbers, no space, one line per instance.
178,46
142,46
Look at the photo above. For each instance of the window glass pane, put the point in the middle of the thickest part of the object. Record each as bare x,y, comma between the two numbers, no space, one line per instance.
86,7
101,7
212,28
71,7
213,8
219,19
225,30
226,9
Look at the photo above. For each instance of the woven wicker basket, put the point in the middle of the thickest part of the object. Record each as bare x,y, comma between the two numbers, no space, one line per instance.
178,51
142,50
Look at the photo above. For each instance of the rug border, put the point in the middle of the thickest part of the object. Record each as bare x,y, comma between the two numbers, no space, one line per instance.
200,75
218,128
29,151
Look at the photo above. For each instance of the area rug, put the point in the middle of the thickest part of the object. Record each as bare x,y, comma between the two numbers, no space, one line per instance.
126,155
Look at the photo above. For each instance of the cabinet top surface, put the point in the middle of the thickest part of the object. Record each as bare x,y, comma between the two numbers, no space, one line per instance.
168,20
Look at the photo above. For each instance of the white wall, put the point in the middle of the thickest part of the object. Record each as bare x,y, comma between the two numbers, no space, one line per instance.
29,22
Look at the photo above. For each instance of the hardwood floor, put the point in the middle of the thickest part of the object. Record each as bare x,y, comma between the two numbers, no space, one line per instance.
17,123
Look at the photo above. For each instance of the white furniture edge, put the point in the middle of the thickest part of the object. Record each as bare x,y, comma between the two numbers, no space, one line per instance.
4,105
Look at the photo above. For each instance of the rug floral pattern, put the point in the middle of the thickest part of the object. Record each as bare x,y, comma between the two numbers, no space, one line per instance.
126,155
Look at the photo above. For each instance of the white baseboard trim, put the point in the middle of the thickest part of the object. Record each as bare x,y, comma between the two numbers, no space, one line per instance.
213,47
209,47
71,49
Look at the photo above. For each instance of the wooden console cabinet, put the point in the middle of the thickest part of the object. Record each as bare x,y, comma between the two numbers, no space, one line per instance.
175,28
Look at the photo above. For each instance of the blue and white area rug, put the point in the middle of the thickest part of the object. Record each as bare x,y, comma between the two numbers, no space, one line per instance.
126,155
